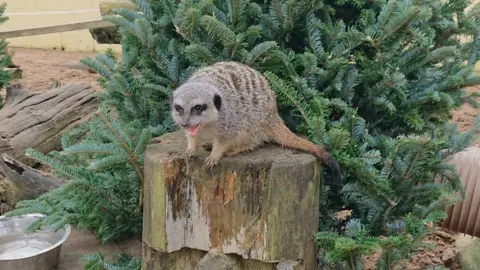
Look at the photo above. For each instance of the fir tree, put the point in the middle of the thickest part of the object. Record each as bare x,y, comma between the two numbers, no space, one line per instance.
373,81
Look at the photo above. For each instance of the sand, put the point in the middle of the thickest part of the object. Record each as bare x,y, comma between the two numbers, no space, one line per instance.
42,67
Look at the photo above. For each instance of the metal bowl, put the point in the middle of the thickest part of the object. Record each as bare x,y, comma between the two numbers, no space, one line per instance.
22,251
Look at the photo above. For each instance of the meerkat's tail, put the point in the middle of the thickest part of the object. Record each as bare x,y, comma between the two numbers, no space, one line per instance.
282,135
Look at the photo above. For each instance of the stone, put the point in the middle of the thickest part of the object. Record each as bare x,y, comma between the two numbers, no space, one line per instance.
468,249
215,259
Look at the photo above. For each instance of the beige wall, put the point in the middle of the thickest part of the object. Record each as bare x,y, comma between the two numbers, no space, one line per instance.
70,41
81,40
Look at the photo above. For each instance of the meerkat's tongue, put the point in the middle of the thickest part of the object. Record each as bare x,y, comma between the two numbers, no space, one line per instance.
193,130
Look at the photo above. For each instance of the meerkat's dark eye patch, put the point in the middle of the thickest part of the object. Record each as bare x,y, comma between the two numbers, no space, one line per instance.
217,101
178,108
199,108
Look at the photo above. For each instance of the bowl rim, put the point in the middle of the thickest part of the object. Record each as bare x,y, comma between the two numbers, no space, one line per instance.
65,236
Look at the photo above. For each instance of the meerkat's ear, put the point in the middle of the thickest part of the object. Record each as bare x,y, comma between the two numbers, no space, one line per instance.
217,101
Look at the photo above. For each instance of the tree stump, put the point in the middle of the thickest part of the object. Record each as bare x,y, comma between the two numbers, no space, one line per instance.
39,119
257,210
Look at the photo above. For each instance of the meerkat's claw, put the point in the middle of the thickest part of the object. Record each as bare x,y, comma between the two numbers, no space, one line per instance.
189,153
210,162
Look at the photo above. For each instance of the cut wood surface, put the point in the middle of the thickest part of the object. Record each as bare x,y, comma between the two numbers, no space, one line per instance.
261,206
38,119
19,182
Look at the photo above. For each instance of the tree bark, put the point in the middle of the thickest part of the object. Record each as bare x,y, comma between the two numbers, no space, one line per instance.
38,119
20,182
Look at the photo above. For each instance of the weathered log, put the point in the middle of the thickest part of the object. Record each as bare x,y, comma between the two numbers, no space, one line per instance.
39,119
259,209
106,35
19,182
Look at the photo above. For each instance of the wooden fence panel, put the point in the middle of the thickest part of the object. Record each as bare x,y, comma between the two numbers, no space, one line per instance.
464,216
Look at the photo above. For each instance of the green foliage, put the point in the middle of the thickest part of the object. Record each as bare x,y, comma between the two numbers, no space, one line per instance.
123,262
373,81
5,58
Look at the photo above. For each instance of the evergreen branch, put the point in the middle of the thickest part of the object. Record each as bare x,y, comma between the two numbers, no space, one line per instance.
146,9
122,22
218,30
108,161
260,50
133,158
143,141
199,53
102,70
129,14
314,35
88,186
93,148
288,92
475,46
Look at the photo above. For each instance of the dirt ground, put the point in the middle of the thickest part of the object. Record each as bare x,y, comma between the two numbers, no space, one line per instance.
465,116
41,68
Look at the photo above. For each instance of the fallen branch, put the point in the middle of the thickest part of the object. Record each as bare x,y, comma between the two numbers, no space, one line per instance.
19,182
37,120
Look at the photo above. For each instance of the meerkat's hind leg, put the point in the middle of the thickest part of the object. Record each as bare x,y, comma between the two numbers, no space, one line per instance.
242,147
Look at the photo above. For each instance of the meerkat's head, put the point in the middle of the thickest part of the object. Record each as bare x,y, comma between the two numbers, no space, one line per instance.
195,104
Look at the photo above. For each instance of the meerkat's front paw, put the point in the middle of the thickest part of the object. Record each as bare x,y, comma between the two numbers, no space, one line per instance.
189,153
210,162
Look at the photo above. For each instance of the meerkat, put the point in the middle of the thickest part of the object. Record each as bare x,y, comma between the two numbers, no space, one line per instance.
233,106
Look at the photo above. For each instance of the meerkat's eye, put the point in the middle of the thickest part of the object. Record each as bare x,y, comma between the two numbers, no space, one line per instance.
199,108
178,108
